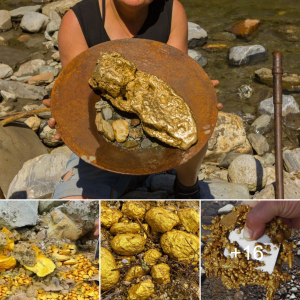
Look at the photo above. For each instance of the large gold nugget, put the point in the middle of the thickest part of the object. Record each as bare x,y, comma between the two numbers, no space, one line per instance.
161,219
108,277
128,244
125,228
189,219
181,246
141,291
163,113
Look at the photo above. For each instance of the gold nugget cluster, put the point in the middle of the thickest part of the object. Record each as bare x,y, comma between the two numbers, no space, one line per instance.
163,113
240,271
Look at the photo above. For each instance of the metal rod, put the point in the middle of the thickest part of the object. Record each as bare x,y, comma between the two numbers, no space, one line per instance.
277,100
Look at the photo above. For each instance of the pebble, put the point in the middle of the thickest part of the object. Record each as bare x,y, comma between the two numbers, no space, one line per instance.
18,13
242,55
197,36
289,105
33,122
259,143
54,24
121,129
56,56
248,170
107,113
47,134
34,22
269,159
47,69
226,209
8,97
245,91
130,144
41,79
146,143
135,122
5,20
5,71
263,124
245,28
30,68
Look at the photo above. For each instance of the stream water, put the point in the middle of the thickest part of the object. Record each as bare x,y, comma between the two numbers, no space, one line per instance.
215,16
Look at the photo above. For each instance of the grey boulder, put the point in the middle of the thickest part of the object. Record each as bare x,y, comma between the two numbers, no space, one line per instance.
54,24
197,36
242,55
34,22
18,13
197,56
259,143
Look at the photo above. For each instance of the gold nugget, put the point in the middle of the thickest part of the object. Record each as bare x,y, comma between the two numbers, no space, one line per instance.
163,113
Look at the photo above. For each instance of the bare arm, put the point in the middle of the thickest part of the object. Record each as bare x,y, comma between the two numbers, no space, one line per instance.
179,28
71,41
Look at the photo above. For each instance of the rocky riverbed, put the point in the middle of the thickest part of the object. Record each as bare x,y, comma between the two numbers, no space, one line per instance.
48,250
212,288
236,50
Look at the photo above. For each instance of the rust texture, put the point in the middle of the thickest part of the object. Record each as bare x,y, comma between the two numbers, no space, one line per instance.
73,106
277,100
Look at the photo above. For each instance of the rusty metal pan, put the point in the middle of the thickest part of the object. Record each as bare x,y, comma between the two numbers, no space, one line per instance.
73,106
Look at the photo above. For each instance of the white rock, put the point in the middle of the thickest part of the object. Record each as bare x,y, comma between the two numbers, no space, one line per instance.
9,97
5,71
30,68
242,55
5,20
39,176
62,149
60,7
293,296
121,130
289,105
33,122
263,124
197,56
229,136
54,23
34,22
17,14
16,214
56,56
226,209
197,36
248,170
294,290
47,136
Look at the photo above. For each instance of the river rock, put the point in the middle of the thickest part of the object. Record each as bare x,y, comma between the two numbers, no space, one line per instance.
226,209
242,55
5,71
22,90
56,56
121,130
220,189
17,14
30,68
244,29
38,177
41,79
229,136
64,150
34,22
291,160
8,97
47,69
290,82
47,134
269,159
248,170
3,41
107,113
18,143
197,36
16,214
61,7
263,124
55,21
289,105
245,91
33,122
197,56
224,163
5,20
291,190
44,115
163,182
146,143
259,143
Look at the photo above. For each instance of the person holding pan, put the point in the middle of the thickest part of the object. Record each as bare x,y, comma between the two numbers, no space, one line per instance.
91,22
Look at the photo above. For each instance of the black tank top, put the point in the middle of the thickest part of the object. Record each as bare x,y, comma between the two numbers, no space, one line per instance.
157,25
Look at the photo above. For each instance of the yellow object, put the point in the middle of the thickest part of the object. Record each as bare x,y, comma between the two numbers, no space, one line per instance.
151,256
7,263
161,219
108,277
141,291
9,246
128,244
189,219
125,228
109,216
134,209
136,272
44,266
181,246
161,273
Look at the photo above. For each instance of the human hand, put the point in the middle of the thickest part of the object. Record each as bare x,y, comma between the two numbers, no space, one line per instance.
215,83
97,224
264,211
51,122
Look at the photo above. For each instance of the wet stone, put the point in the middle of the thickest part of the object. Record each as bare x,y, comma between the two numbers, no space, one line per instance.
197,36
262,124
242,55
197,56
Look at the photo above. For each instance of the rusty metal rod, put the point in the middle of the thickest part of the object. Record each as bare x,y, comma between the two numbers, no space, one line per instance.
277,101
